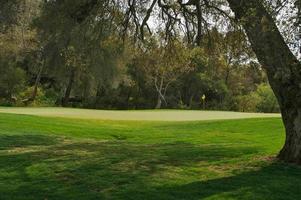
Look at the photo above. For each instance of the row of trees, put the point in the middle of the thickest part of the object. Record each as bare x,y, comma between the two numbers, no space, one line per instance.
91,54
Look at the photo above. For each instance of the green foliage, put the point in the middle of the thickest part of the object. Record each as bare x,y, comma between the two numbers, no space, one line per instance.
8,13
268,102
43,98
248,103
83,54
261,100
12,81
163,65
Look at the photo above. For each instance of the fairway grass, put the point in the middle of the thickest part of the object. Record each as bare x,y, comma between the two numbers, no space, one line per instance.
149,115
62,158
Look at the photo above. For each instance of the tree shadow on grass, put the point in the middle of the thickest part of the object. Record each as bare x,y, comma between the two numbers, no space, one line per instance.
12,141
53,168
273,182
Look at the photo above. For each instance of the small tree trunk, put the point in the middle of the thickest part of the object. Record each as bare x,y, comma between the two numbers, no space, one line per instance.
227,74
160,95
191,101
97,96
37,82
199,36
159,102
66,97
100,92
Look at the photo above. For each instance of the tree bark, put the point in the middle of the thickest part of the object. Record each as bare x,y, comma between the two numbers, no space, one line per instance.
190,101
160,95
37,82
159,102
282,67
34,93
298,3
199,22
66,97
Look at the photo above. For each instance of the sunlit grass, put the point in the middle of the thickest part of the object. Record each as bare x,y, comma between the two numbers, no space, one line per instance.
60,158
149,115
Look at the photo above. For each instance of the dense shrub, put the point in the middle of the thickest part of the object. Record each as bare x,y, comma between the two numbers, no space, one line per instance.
261,100
247,103
267,100
11,83
43,98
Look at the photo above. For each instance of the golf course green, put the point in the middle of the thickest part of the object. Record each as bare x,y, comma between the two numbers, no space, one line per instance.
143,115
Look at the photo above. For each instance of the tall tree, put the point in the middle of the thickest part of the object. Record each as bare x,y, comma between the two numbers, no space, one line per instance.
283,69
80,40
18,39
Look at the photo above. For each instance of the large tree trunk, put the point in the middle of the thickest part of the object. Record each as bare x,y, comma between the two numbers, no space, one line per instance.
282,67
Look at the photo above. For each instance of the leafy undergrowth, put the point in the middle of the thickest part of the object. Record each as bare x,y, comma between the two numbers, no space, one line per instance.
48,158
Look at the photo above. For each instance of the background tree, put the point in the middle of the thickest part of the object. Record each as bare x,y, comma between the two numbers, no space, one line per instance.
17,43
163,65
77,35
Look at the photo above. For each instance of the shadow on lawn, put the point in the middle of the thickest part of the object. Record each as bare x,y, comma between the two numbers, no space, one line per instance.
53,168
273,182
14,141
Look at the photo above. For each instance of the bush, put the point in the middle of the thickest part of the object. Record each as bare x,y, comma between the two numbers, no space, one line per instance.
43,98
261,100
247,103
12,81
268,102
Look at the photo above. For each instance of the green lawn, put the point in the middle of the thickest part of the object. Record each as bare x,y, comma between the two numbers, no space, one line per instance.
146,115
61,158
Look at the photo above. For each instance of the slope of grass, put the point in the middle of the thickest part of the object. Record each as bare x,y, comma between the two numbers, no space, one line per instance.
150,115
60,158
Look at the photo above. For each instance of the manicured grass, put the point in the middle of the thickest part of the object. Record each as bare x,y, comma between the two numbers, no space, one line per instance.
149,115
60,158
